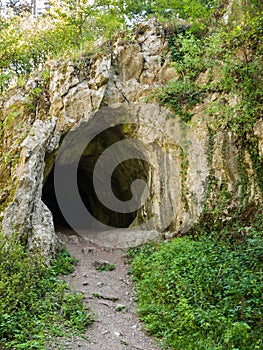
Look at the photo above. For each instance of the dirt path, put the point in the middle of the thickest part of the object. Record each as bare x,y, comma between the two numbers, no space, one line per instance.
110,296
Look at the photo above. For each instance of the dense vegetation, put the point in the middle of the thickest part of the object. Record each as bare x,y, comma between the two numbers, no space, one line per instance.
230,53
35,306
69,28
203,292
220,69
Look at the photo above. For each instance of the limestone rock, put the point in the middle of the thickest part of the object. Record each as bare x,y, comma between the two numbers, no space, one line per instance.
258,128
103,98
89,250
27,213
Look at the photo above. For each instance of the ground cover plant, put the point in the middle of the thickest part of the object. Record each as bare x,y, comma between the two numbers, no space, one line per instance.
34,304
203,293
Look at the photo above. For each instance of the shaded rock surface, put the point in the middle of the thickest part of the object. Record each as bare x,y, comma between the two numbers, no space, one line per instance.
175,160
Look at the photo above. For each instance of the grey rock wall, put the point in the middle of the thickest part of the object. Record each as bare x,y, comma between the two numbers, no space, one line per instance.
116,82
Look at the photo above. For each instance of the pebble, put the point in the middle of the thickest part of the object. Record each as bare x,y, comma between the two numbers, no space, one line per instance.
117,334
73,239
107,249
88,250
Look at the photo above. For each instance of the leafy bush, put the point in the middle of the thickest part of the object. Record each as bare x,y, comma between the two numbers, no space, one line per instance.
181,95
231,56
203,294
34,304
67,29
71,28
194,9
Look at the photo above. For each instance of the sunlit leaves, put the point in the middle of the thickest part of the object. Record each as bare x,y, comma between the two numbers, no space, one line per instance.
26,42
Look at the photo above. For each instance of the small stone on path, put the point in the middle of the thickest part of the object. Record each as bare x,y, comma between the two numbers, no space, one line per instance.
88,250
118,334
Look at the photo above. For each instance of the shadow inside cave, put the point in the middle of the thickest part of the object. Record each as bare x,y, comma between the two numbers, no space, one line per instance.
122,177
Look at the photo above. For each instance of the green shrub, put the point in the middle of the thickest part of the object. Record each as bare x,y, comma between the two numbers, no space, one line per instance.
34,304
181,95
64,262
230,58
203,294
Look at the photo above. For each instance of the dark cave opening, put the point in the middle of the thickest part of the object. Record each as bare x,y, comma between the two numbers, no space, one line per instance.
122,177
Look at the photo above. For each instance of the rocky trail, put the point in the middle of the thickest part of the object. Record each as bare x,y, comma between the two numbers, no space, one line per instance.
110,296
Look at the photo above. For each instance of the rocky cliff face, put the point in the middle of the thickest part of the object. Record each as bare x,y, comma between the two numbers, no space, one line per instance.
75,119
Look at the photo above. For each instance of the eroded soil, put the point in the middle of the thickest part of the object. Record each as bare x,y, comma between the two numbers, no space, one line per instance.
110,296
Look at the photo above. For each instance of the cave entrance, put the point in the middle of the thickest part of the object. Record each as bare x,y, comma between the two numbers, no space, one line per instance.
122,178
